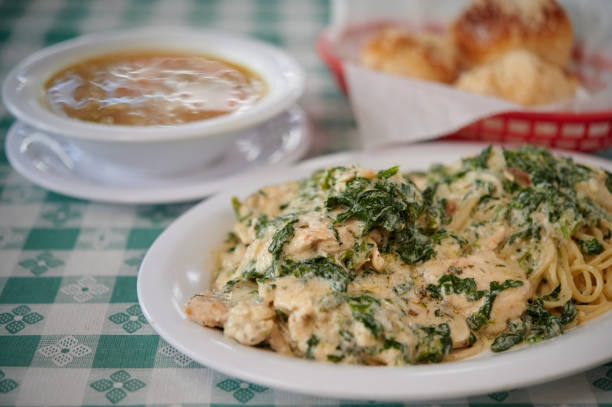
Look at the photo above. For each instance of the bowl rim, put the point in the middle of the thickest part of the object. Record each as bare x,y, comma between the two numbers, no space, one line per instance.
283,77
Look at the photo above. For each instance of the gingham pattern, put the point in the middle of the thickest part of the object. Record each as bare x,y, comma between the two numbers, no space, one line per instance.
71,330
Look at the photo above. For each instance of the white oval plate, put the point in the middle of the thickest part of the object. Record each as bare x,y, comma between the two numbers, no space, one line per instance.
177,266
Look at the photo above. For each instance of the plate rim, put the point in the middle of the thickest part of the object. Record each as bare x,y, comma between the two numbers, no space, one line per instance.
80,188
478,368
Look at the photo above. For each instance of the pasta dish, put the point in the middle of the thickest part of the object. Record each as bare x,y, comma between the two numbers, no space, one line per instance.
352,265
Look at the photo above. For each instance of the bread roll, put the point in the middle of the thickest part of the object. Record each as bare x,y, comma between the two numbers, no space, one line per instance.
422,56
521,77
488,28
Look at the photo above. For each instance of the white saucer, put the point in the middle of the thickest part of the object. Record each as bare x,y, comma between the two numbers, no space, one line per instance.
61,168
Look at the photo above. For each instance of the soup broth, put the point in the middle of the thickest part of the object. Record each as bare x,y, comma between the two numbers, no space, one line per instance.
149,88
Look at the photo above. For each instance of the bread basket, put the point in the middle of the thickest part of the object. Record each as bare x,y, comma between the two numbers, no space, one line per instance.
587,128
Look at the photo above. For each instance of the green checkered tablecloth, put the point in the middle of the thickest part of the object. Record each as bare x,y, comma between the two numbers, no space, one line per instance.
71,330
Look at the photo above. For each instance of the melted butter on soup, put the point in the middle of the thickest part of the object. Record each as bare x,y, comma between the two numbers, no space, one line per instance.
152,88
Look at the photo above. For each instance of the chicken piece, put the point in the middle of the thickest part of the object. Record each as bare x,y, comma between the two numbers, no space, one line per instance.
300,328
301,303
278,342
207,309
305,238
499,233
249,323
363,336
595,189
291,294
358,172
484,268
258,253
314,236
376,259
509,304
268,199
460,332
226,260
419,179
246,234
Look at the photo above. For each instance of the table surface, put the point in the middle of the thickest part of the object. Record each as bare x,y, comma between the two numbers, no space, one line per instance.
71,330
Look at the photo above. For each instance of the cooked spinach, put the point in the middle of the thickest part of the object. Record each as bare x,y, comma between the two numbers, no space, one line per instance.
335,358
532,231
281,236
321,267
553,295
439,174
451,284
514,336
260,225
236,205
393,344
336,234
536,324
591,246
544,167
403,288
472,339
411,218
479,161
371,323
434,291
250,272
489,194
550,191
376,207
388,173
228,286
568,313
481,317
323,179
413,247
281,316
434,343
542,325
553,201
347,336
312,343
362,302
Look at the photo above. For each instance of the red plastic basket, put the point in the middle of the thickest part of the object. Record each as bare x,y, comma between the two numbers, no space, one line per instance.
567,130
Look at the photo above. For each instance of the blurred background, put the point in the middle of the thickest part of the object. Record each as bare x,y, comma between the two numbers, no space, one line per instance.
52,245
